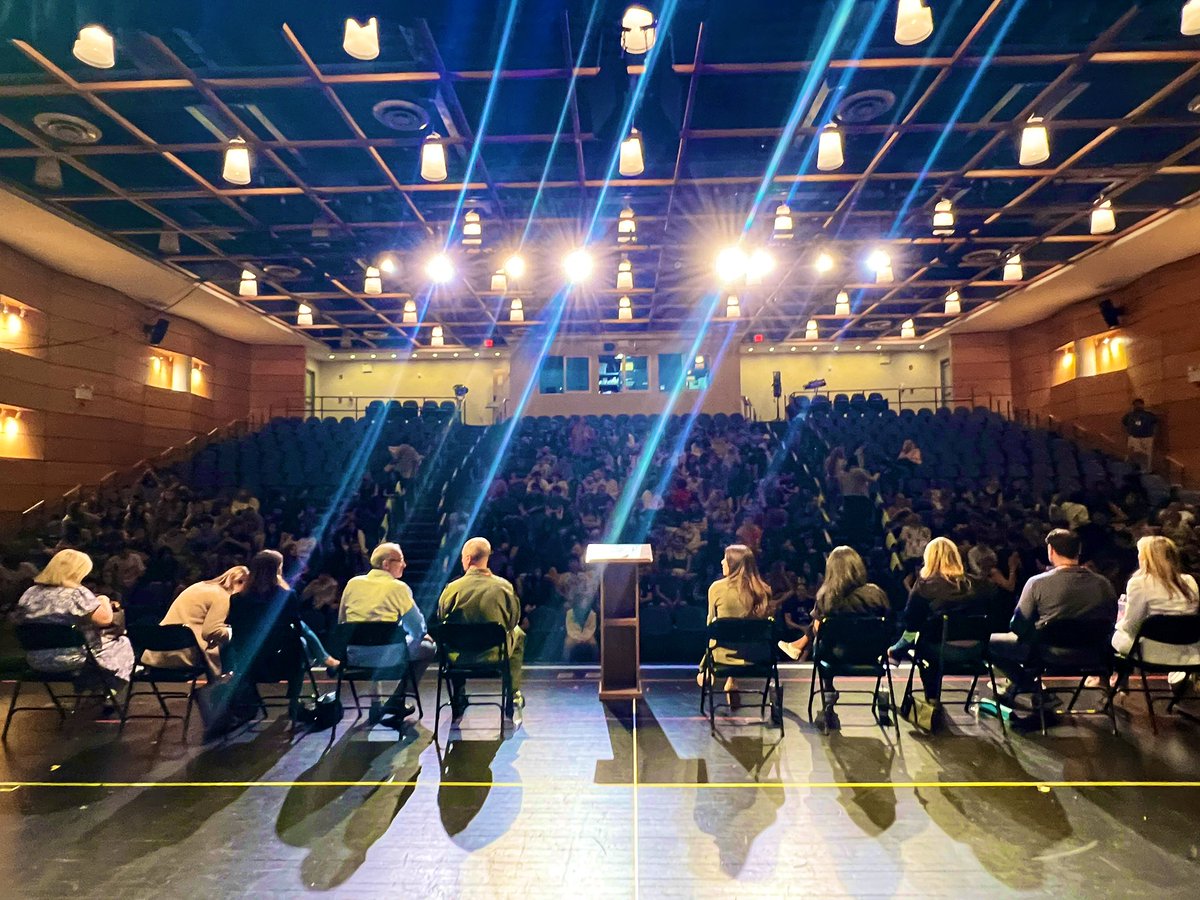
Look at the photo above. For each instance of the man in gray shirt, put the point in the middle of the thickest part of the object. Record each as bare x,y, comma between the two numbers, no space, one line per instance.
1067,592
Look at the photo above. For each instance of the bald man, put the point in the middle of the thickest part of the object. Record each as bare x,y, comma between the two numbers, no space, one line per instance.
478,597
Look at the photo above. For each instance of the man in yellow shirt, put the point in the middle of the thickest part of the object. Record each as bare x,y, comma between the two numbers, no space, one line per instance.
380,596
479,597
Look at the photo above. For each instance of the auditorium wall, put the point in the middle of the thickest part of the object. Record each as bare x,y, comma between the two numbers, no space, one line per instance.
92,336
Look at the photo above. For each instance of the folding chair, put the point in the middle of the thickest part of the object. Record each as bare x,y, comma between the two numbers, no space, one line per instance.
961,650
1071,648
155,637
35,636
280,657
387,642
852,645
1178,631
751,640
463,654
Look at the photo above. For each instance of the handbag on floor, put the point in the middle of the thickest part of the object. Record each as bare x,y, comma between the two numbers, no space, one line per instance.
220,707
926,715
320,711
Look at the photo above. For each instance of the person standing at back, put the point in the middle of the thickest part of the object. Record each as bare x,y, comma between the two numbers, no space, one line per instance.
480,597
1141,425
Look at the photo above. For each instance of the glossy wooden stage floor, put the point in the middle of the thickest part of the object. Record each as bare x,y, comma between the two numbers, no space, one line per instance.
584,801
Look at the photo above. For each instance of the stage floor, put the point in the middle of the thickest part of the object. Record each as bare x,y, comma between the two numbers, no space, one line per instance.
587,801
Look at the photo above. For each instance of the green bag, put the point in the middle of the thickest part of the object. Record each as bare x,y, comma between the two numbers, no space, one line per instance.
926,715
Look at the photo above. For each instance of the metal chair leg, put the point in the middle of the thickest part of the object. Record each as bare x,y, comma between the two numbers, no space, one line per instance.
812,688
1040,693
1149,703
187,713
995,693
62,713
158,696
970,694
416,692
895,713
12,708
437,709
1078,691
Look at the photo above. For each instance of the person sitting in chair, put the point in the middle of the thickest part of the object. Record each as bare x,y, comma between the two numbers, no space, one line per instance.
741,594
479,597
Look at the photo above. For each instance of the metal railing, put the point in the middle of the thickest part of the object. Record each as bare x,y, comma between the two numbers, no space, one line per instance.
921,397
342,406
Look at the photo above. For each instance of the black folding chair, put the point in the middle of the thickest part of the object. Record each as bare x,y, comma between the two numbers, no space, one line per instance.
280,657
163,638
1072,648
463,654
385,641
852,646
961,650
1178,631
85,681
751,640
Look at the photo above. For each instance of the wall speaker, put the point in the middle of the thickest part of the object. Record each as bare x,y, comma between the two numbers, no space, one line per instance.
1111,313
776,385
156,332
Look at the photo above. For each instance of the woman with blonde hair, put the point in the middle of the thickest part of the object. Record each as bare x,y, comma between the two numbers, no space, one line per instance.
845,591
203,607
942,588
58,597
1158,587
740,594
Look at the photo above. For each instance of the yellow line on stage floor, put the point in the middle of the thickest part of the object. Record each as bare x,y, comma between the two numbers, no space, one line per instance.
576,785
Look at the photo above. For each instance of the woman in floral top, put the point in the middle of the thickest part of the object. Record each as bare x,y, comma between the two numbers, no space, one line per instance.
58,597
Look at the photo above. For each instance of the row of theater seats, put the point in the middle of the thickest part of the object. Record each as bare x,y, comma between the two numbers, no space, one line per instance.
802,404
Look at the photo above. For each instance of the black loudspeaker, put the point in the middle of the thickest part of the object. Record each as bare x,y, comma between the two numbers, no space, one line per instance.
776,385
609,347
156,332
1111,313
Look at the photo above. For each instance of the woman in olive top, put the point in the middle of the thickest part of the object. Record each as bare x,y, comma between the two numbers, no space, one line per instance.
741,594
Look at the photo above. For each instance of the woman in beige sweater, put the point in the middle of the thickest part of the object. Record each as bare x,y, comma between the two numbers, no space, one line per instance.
741,594
203,607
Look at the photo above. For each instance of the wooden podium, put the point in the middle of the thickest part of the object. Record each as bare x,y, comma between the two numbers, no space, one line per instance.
620,640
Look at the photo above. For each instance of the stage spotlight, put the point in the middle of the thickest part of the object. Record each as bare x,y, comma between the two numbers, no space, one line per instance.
439,269
732,264
578,265
758,266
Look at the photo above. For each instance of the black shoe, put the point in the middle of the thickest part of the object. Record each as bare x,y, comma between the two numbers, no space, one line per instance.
375,713
393,720
458,704
403,710
830,720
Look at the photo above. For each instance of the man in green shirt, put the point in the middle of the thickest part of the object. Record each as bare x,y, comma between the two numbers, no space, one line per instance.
479,597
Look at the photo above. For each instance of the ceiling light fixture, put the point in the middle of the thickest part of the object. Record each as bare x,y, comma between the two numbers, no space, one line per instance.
439,269
387,264
1104,220
237,162
95,47
1035,142
824,263
914,22
516,311
624,274
783,223
514,267
953,304
733,307
732,263
829,149
578,264
168,242
760,264
304,314
881,264
1189,19
472,229
943,218
631,162
625,309
248,285
626,226
1013,270
810,332
372,282
362,41
499,283
437,337
908,329
841,306
47,173
433,158
638,30
409,316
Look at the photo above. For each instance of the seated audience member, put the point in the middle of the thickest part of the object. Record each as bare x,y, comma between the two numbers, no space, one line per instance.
580,644
1158,587
479,597
910,453
845,592
59,597
740,594
319,604
381,596
1068,592
942,588
203,607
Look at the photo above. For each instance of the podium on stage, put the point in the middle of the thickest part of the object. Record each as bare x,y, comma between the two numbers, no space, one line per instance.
620,640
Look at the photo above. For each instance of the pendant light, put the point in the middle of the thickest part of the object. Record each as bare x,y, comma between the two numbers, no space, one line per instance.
237,162
841,306
1189,21
824,262
638,30
94,46
624,274
1013,270
248,286
733,307
499,282
578,265
914,22
624,309
304,314
783,223
829,149
372,283
759,264
626,227
811,333
409,317
437,338
433,158
514,267
168,242
439,269
472,229
1104,220
881,264
362,41
516,311
1035,142
908,330
631,161
943,218
953,304
47,173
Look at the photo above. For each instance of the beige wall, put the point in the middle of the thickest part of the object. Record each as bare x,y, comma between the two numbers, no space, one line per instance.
95,338
848,371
